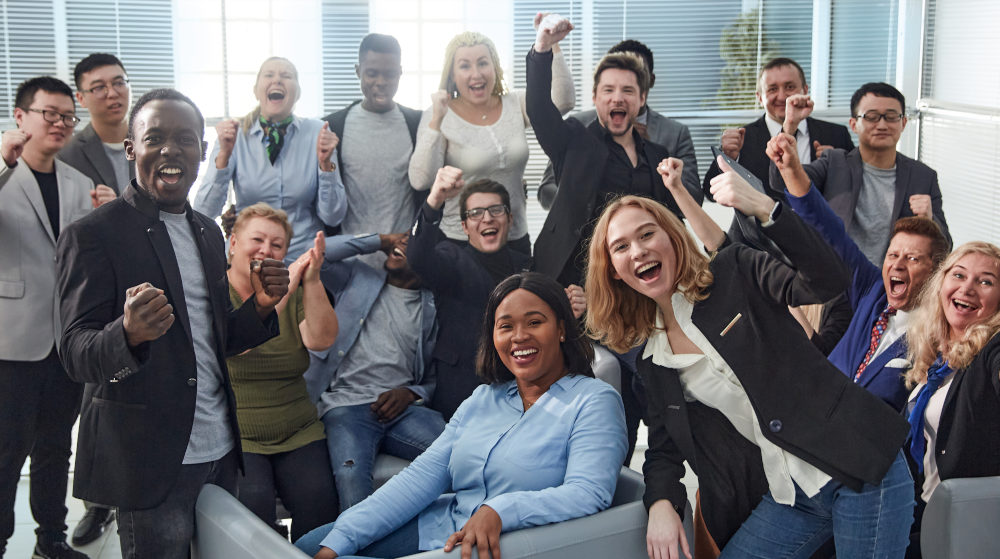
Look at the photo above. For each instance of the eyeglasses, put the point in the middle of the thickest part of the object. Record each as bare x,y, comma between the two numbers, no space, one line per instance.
476,214
875,116
53,117
101,91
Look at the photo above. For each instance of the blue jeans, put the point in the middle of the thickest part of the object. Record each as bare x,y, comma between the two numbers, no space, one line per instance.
354,436
873,522
404,541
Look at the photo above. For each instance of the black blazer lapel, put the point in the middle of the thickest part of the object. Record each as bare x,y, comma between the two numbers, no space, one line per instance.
856,167
675,415
160,239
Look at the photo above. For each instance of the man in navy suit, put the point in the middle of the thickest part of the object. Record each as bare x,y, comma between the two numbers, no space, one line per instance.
873,350
779,79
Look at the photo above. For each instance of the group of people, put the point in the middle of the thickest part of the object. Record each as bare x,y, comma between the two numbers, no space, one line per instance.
377,291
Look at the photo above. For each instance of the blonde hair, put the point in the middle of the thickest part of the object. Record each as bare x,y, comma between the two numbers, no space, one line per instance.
261,209
617,316
470,39
247,121
929,332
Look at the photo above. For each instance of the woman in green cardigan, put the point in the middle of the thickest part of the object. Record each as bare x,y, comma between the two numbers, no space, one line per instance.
284,447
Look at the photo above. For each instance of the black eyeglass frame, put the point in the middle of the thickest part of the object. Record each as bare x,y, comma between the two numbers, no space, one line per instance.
69,120
875,116
101,91
476,214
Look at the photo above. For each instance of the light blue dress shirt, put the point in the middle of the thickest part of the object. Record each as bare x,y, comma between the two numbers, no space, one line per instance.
294,183
556,461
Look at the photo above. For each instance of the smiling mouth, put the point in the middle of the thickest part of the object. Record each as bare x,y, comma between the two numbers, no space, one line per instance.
648,271
276,96
618,115
478,88
170,175
489,233
398,253
964,306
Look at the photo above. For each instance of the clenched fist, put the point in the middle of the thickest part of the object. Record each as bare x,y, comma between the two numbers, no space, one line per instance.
732,141
447,185
12,144
148,315
226,132
325,144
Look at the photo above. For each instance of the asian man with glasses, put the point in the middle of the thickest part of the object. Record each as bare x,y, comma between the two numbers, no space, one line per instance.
872,186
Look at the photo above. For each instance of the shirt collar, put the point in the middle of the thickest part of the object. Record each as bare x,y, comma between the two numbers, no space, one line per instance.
658,347
564,383
257,130
773,126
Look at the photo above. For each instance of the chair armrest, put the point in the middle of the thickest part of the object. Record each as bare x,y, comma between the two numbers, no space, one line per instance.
225,528
961,519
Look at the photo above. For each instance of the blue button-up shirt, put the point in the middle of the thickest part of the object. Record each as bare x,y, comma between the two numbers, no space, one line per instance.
556,461
294,183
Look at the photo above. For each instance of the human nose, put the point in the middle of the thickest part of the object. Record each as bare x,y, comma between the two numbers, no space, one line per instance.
519,333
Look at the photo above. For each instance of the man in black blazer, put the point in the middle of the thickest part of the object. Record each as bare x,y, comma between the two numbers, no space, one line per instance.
147,324
98,150
377,136
779,79
591,163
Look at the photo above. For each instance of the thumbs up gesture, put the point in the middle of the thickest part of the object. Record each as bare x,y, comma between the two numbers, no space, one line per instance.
325,144
730,190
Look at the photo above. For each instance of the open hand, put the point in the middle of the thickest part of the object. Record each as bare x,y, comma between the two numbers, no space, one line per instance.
482,531
665,532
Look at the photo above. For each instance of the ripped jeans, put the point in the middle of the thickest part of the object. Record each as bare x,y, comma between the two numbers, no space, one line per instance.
354,436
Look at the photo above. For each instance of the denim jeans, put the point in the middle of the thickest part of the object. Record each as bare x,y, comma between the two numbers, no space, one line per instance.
873,522
354,436
404,541
165,531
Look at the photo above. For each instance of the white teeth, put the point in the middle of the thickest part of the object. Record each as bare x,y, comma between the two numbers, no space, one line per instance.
895,278
489,231
170,171
646,266
962,304
523,352
398,252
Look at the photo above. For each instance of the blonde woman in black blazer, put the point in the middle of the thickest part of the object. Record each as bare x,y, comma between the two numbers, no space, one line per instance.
954,410
736,389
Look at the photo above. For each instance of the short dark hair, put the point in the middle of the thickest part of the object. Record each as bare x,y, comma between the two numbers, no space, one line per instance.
25,95
624,61
485,186
96,60
878,89
577,350
377,42
778,63
940,247
633,46
162,95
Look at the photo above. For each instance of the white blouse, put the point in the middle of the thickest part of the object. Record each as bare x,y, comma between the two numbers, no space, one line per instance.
710,380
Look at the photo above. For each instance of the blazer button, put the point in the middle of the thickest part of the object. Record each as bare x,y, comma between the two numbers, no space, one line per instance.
774,425
192,381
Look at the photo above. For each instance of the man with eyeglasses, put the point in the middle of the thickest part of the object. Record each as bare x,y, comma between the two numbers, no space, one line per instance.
98,150
462,275
871,187
39,198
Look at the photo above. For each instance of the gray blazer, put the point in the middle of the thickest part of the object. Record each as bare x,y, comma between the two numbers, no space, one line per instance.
85,152
662,130
27,257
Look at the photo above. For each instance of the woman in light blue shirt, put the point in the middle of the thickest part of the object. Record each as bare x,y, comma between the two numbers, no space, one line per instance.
275,157
542,412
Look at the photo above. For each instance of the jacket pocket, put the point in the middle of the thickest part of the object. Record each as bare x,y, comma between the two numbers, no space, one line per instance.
11,289
112,404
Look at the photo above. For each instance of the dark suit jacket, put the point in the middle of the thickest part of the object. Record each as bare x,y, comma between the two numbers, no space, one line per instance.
754,158
803,404
667,132
967,443
839,175
579,155
138,404
86,154
462,287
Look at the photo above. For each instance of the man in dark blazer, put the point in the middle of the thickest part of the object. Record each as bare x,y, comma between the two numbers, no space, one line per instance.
591,163
651,125
98,151
871,187
377,136
462,276
147,324
916,249
779,79
39,198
